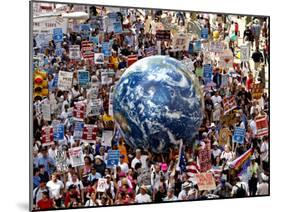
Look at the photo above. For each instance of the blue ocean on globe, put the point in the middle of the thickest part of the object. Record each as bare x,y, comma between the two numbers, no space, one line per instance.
157,103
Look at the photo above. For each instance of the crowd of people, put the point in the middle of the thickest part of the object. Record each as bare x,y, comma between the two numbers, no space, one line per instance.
142,176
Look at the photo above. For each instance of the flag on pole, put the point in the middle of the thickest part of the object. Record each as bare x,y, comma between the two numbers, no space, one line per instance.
181,166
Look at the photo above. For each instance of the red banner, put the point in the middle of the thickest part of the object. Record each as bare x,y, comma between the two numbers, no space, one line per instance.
90,133
229,104
131,59
204,156
79,111
87,50
47,136
262,126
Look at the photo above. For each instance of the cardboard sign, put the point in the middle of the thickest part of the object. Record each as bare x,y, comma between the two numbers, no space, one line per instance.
87,50
205,159
204,33
76,156
57,35
65,80
224,136
229,104
46,112
85,30
131,59
262,126
78,130
79,111
47,135
257,90
90,133
101,185
113,158
244,53
104,78
216,46
83,77
107,136
205,181
61,161
58,132
106,49
163,35
239,135
99,58
207,73
74,52
95,107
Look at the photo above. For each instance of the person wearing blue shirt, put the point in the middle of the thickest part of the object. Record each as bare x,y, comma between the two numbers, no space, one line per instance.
47,161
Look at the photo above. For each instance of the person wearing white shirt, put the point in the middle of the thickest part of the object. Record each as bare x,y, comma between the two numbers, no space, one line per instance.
143,197
53,151
170,196
137,159
123,165
55,187
216,98
74,181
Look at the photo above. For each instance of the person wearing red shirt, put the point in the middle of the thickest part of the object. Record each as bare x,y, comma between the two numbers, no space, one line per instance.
45,202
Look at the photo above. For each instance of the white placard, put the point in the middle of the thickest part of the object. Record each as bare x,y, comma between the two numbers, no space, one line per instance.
65,80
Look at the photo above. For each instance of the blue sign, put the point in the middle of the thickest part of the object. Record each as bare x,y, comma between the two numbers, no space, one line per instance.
207,73
239,135
83,77
106,50
57,35
55,81
113,158
78,130
117,27
94,39
85,30
197,46
58,132
204,33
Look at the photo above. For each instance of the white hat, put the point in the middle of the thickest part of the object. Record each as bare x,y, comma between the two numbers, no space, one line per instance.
186,185
98,157
264,177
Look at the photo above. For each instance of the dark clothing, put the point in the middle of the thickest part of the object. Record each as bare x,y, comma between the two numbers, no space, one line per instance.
100,168
44,177
257,57
159,196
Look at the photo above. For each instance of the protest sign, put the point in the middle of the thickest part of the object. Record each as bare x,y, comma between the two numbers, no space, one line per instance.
85,30
224,80
131,59
239,135
216,46
207,73
79,111
106,49
58,132
57,35
149,51
95,107
76,156
163,35
99,58
244,53
65,80
113,158
262,126
104,78
110,107
257,90
61,161
58,50
78,130
47,135
96,22
204,156
46,112
224,136
204,33
229,118
117,27
180,41
53,103
83,77
197,46
101,185
226,59
74,52
87,50
205,181
46,25
107,136
89,133
229,104
42,40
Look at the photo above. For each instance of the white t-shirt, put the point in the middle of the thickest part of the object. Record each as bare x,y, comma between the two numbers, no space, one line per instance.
253,127
182,195
264,149
124,167
78,184
166,199
54,188
134,162
143,198
216,99
53,153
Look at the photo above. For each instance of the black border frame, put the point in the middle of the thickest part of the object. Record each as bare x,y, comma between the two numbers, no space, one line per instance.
133,7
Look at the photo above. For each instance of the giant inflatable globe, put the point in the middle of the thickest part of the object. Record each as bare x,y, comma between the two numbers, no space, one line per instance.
157,103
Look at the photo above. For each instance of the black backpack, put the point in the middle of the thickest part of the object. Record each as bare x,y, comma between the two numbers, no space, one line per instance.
241,192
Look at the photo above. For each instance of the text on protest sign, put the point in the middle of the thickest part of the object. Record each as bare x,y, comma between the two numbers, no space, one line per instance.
57,35
79,111
113,158
65,80
216,46
74,52
257,90
226,59
224,136
78,130
46,112
90,133
101,185
244,53
47,25
229,104
239,135
205,181
205,158
207,73
58,132
47,136
163,35
76,156
83,77
262,126
87,50
85,30
99,58
204,33
106,49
